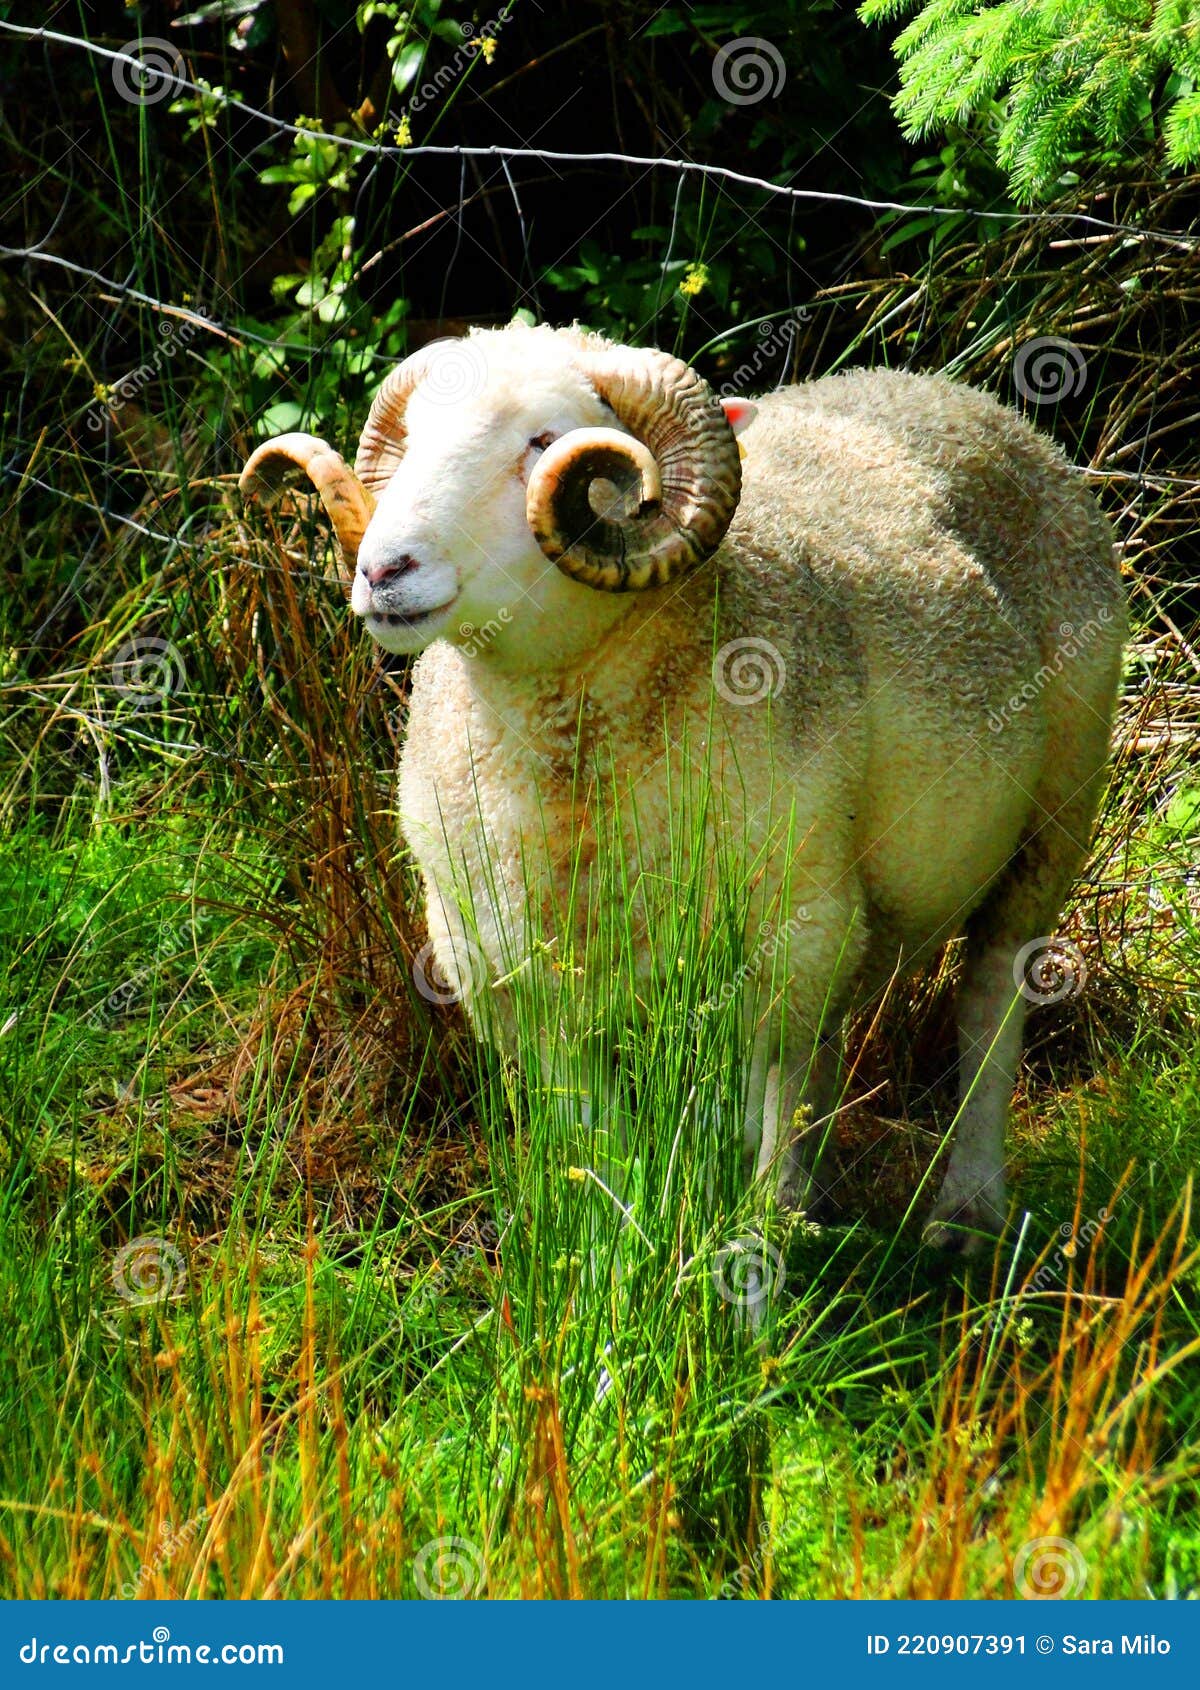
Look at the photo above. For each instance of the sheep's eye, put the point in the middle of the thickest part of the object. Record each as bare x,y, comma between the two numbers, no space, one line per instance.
539,442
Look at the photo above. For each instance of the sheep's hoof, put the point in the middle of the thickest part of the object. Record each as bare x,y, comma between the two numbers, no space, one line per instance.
963,1229
800,1193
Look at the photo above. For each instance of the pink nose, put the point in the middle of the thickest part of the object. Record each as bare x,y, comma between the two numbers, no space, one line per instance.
378,573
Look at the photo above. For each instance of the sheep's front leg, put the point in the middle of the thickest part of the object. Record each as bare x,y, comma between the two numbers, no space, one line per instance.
586,1106
794,1096
991,1015
605,1139
589,1130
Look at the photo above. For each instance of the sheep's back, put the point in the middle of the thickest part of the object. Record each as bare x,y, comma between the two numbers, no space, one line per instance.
966,574
886,471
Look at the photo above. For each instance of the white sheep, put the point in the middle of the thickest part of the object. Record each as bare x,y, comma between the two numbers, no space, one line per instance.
933,589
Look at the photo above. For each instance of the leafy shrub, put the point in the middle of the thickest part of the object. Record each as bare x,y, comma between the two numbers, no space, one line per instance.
1056,87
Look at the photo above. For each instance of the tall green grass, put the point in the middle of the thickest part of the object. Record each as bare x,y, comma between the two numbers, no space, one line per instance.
303,1292
445,1330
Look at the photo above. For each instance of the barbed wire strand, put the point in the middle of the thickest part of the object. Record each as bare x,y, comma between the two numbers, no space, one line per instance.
686,167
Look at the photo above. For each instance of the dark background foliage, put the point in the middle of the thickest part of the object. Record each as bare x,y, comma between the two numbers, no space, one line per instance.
193,264
212,1038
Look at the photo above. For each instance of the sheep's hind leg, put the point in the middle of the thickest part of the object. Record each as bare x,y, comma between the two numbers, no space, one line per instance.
971,1203
1022,907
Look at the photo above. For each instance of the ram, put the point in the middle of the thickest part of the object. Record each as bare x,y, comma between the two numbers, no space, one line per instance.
930,583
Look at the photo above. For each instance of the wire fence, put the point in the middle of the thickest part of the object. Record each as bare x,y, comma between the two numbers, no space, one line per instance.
683,167
1065,228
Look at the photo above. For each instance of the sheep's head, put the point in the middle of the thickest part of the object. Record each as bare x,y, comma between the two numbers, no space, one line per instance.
484,458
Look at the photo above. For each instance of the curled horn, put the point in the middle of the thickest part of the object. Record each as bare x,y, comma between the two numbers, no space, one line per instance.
348,495
381,444
348,504
674,486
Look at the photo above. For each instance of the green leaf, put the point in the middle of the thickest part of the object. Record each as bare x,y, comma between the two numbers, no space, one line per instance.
311,292
332,308
280,418
268,361
910,231
406,65
1182,817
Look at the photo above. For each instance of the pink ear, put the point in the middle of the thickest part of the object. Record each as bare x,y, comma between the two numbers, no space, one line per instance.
740,413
